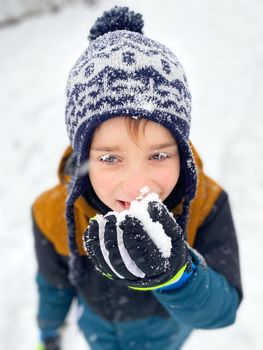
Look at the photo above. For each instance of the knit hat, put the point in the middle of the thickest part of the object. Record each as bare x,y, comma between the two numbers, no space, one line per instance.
124,73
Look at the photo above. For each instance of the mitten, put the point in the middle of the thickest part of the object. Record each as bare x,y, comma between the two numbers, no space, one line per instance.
50,343
143,248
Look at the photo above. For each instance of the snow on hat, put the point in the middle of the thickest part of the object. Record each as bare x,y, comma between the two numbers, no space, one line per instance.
124,73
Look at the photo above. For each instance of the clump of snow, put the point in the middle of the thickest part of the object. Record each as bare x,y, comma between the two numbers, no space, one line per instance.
143,192
138,209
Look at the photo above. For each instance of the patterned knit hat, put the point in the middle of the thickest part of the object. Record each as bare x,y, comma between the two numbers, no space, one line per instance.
124,73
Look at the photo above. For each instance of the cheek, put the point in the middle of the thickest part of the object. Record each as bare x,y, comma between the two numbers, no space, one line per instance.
96,182
102,182
169,178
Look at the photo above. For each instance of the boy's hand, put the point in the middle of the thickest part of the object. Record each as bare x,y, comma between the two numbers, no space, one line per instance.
124,251
50,343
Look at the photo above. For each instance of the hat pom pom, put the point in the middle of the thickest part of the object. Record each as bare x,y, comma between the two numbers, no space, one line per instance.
118,18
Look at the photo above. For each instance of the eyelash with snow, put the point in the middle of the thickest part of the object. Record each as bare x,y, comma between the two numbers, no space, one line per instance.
110,159
161,156
107,158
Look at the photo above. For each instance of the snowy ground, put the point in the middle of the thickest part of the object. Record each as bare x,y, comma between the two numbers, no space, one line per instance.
220,44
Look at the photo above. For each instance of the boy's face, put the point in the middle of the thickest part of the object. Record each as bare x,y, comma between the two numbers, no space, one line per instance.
119,165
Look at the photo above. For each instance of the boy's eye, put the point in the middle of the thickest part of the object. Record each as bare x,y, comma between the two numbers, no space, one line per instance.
107,158
160,156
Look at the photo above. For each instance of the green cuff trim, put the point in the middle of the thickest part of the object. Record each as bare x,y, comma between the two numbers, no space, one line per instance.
93,218
173,280
108,275
40,347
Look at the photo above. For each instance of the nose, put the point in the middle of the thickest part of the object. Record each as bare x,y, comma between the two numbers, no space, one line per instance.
134,181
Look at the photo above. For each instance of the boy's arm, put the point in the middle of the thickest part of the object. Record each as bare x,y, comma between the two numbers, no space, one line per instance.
207,300
54,289
211,296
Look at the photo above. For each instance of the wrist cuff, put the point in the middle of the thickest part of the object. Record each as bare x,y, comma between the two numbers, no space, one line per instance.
176,278
179,283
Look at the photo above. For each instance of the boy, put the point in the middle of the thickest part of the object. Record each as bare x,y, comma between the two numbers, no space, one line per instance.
138,281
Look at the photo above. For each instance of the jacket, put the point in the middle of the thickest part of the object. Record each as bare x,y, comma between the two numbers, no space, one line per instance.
114,317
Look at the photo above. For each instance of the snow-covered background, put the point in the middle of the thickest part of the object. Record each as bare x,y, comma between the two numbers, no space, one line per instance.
12,11
220,43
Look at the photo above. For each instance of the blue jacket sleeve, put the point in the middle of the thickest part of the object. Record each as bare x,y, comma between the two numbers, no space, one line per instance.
206,301
53,306
55,293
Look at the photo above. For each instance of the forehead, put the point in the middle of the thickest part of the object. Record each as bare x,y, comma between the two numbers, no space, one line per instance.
137,130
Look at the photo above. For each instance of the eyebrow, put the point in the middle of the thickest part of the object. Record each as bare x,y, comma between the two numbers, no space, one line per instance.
162,145
117,148
105,148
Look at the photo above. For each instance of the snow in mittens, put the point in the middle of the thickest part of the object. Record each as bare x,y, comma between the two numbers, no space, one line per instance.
138,209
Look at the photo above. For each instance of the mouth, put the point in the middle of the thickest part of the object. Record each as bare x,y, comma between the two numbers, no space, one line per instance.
124,205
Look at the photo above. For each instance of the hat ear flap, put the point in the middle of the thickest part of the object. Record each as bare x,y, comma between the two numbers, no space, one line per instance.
188,171
76,264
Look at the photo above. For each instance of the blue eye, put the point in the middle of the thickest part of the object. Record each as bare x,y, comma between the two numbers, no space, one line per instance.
161,156
107,158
